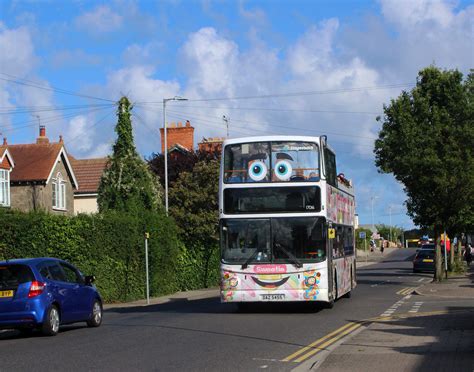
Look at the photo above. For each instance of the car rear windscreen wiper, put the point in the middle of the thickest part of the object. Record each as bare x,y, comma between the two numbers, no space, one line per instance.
290,256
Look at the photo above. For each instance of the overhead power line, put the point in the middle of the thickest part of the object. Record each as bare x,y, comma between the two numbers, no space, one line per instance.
35,109
30,83
300,94
272,125
277,109
33,122
248,131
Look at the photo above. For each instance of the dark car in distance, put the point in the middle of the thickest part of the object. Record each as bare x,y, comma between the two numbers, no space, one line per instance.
424,260
44,293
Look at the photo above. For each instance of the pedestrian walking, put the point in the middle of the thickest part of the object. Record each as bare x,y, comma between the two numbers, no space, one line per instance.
468,255
382,246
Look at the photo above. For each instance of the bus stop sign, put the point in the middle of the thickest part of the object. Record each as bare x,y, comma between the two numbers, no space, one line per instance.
361,234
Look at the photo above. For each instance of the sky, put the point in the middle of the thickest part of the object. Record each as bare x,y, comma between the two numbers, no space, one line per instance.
297,67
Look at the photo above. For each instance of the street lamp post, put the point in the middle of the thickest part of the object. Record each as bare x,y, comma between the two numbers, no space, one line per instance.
165,130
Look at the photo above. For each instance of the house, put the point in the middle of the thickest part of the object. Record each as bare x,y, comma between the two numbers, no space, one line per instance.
88,173
42,178
6,166
211,144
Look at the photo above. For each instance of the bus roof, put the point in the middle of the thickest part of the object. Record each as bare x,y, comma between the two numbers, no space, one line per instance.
233,141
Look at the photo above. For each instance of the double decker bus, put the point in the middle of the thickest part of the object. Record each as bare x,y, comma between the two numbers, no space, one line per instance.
286,221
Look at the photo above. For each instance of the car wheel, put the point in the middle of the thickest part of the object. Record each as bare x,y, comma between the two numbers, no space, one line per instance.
415,270
51,322
96,315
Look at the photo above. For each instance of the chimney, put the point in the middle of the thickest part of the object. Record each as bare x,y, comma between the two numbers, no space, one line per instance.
179,135
42,139
61,139
5,141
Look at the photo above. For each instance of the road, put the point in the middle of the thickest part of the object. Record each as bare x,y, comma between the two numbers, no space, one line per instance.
207,335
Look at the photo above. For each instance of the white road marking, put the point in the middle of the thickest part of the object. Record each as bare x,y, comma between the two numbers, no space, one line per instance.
393,308
415,307
420,280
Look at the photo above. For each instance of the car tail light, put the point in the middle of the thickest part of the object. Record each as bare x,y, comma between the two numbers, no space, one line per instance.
36,289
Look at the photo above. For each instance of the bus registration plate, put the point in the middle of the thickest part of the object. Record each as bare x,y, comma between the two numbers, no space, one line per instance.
271,297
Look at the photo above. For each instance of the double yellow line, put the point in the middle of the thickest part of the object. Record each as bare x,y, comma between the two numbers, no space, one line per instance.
324,342
406,291
331,338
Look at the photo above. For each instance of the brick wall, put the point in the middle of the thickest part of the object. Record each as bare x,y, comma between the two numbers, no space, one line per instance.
178,134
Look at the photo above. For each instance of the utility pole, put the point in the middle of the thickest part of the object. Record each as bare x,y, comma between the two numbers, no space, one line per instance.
390,212
226,121
372,204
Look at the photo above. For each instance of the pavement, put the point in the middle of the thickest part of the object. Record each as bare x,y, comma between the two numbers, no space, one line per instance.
457,286
440,339
199,294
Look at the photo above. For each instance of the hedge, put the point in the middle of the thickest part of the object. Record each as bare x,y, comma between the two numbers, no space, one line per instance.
111,247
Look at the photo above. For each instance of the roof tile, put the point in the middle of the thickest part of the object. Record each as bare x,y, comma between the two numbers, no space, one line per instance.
88,173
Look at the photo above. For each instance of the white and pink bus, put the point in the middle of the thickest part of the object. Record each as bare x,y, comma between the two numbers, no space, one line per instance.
286,221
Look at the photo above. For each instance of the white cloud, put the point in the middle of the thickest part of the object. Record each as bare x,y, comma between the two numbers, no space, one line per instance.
255,15
79,135
409,13
101,150
146,54
210,61
18,61
101,19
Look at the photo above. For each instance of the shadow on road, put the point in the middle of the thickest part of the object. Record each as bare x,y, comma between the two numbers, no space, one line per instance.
441,341
213,305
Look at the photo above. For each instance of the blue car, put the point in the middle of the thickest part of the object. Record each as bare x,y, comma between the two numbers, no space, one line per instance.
43,293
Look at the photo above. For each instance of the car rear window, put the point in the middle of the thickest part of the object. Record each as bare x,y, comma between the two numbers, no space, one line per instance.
426,253
11,276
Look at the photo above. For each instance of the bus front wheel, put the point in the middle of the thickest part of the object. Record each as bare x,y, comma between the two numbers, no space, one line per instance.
330,304
349,294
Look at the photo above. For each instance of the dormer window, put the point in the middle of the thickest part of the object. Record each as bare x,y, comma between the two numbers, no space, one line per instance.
4,188
59,192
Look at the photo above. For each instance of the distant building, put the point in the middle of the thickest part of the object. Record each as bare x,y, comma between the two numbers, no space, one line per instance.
88,173
211,144
6,167
42,177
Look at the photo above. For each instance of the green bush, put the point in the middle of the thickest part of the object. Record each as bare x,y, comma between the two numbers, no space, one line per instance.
109,246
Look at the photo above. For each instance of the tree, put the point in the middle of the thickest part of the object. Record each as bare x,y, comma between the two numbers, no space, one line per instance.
127,184
391,233
427,142
183,162
363,243
194,206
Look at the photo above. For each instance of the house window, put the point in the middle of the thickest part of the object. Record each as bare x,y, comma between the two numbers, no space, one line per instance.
59,192
4,188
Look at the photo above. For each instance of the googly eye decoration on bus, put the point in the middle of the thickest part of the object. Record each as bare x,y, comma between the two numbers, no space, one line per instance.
257,170
283,170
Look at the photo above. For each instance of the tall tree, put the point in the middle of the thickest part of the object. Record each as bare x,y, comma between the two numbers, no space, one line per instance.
127,184
194,206
427,142
183,162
